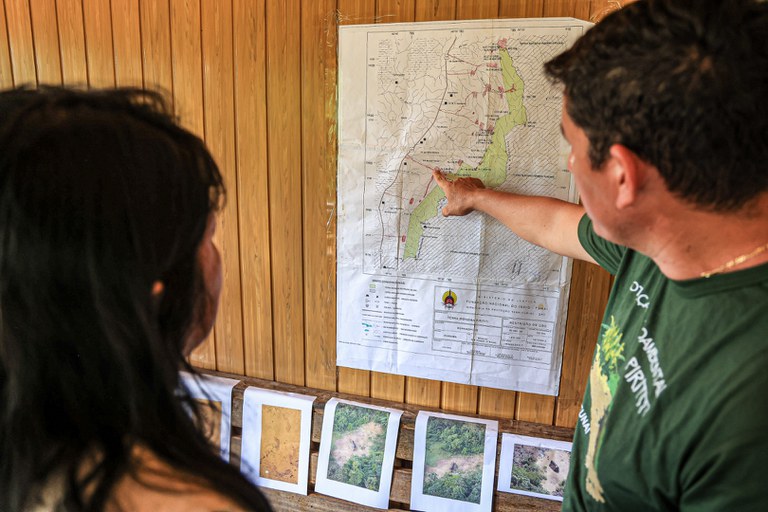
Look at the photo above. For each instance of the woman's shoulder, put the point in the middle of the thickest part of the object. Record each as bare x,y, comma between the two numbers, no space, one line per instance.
154,485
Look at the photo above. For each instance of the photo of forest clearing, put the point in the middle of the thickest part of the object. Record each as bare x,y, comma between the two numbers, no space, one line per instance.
357,446
280,441
540,470
210,412
453,466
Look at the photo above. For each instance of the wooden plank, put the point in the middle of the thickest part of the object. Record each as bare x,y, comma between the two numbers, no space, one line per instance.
252,188
535,408
521,8
284,150
219,118
156,44
355,12
6,71
354,382
74,65
20,42
402,475
393,11
126,36
590,287
572,8
423,392
46,37
318,158
497,403
388,386
99,49
187,68
581,9
477,9
350,380
435,10
459,398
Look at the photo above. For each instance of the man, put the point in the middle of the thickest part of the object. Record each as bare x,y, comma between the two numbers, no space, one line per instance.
664,108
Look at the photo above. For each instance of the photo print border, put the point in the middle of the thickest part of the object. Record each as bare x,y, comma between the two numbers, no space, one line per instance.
506,460
349,492
254,399
422,501
218,389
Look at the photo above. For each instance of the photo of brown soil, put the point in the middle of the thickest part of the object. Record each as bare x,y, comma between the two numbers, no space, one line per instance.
211,416
280,441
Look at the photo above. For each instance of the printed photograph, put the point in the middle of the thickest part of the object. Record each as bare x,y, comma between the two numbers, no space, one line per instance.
280,442
453,466
540,470
357,449
210,411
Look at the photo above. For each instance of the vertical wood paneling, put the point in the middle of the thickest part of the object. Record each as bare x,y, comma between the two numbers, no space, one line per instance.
590,286
284,154
459,398
20,42
218,95
476,9
350,380
186,59
423,392
318,114
6,75
521,8
156,44
535,408
126,36
74,66
393,11
46,38
573,8
252,187
499,403
435,10
99,47
187,67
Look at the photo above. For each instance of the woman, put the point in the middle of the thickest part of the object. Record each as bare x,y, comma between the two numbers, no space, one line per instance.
108,278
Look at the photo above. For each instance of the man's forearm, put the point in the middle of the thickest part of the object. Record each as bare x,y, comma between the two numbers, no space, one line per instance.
544,221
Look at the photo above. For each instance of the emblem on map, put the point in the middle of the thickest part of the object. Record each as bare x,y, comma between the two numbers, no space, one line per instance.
449,299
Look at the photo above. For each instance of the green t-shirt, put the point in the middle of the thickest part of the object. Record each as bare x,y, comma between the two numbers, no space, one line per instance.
675,415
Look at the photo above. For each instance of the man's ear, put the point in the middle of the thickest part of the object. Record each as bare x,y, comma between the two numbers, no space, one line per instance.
628,173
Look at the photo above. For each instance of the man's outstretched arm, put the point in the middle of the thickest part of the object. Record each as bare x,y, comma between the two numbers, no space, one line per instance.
544,221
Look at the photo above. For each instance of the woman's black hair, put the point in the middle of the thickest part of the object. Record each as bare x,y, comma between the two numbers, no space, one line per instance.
102,194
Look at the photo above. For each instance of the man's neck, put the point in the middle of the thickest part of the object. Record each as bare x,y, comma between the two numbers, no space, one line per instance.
688,243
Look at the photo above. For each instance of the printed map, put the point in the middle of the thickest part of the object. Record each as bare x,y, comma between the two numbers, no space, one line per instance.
470,102
457,299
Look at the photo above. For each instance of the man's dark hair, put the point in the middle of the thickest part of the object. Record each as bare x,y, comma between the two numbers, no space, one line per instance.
102,194
683,84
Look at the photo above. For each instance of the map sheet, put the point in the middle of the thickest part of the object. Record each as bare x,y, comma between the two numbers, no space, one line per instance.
459,299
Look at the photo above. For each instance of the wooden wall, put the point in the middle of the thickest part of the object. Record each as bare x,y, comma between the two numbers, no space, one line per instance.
257,80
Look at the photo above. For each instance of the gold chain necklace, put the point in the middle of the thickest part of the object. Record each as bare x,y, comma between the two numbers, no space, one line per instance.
738,260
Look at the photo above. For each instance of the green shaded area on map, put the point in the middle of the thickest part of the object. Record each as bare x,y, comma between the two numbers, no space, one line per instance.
492,170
